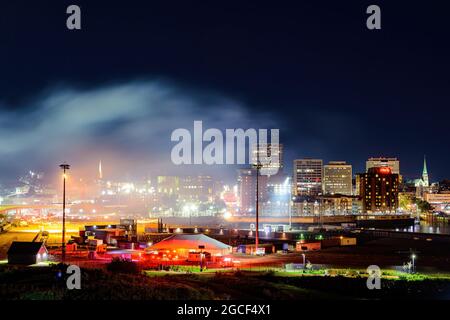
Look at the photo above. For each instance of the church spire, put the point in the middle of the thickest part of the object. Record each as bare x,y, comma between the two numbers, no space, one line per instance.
425,172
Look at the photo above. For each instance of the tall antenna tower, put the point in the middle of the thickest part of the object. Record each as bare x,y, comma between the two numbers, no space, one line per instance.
100,172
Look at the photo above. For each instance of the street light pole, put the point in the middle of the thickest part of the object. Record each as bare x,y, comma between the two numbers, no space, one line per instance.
64,167
291,200
258,166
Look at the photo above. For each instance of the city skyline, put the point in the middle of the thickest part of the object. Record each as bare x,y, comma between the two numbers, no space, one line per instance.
372,97
215,153
96,169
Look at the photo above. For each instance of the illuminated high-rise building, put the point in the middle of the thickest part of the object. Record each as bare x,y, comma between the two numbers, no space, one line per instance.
196,189
307,179
379,190
168,184
337,178
247,190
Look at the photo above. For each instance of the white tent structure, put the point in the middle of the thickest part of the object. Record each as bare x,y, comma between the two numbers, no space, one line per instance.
185,243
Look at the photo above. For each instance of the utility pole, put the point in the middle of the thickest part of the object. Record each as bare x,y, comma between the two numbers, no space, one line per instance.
258,166
64,167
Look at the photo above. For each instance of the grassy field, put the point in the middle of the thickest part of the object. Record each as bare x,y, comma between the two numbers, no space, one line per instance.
43,283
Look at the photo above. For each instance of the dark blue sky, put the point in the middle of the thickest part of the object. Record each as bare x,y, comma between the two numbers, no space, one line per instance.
336,90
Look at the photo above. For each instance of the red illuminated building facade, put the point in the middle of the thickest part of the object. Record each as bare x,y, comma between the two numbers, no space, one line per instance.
379,190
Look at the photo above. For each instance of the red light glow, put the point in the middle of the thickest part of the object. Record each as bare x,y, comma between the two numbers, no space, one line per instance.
385,170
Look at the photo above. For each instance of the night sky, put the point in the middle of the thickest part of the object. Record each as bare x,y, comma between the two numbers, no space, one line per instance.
137,70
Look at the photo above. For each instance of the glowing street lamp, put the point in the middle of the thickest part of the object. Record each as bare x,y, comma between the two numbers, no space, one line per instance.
291,202
413,258
64,167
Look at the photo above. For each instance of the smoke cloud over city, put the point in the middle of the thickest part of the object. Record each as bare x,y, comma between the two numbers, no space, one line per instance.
125,125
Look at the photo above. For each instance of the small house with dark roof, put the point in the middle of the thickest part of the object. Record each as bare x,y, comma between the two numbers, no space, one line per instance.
27,253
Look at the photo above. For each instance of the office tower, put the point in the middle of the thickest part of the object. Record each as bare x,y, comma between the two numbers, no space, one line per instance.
357,185
168,184
247,190
392,163
337,178
196,189
379,190
270,155
307,177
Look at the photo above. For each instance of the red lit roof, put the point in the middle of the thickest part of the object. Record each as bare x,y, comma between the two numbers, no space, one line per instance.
189,242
